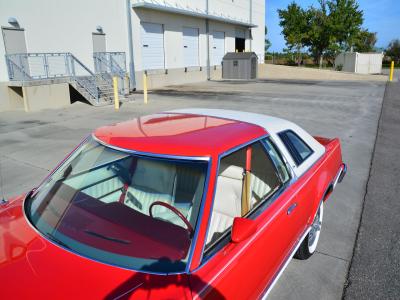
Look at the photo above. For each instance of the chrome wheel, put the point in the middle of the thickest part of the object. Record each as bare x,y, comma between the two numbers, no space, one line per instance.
313,235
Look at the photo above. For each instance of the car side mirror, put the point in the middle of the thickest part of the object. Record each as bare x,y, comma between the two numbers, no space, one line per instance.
242,229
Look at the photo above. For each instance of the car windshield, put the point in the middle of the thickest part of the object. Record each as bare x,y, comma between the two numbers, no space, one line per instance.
120,208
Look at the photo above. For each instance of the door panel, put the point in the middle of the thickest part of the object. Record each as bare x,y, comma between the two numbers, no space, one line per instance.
15,43
190,46
152,46
244,270
99,42
14,40
218,50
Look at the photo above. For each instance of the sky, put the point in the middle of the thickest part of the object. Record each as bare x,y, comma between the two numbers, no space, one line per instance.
381,16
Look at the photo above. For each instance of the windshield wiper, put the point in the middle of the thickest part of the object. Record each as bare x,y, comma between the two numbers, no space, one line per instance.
112,239
56,240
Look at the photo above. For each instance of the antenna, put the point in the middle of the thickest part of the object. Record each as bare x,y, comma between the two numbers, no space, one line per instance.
2,198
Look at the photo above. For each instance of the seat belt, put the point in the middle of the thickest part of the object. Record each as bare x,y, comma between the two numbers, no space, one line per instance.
246,183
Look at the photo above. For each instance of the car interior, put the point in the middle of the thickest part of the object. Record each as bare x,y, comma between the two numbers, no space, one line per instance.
231,194
140,182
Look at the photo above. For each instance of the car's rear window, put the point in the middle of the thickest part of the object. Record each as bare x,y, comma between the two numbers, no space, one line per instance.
297,148
118,207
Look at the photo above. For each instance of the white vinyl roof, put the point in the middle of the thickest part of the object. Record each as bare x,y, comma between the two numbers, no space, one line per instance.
273,126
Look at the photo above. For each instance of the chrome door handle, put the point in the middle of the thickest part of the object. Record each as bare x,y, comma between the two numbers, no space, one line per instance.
291,208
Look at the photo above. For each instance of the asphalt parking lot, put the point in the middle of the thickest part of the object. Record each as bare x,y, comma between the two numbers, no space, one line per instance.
374,271
31,144
396,73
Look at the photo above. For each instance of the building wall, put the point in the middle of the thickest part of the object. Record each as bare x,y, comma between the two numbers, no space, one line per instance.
362,63
258,33
58,26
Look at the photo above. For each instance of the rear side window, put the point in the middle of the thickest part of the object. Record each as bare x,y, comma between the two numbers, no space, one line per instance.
298,149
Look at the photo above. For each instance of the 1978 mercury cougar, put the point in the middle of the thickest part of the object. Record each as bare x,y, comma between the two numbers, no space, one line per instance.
195,203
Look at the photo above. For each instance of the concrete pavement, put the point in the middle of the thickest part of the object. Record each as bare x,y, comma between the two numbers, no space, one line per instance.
32,144
375,268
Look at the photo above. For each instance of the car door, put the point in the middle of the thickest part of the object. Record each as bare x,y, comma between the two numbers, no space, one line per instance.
244,270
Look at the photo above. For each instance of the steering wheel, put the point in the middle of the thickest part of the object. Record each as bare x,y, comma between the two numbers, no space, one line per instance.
174,210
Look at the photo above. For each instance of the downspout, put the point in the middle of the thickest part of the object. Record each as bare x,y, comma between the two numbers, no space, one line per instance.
250,21
132,80
208,43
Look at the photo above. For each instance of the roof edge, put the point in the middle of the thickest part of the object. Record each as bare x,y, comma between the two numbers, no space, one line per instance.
192,13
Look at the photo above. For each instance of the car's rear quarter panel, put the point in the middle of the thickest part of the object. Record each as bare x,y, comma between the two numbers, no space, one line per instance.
321,175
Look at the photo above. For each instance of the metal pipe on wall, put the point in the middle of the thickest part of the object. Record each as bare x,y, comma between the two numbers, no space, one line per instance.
250,21
208,43
132,79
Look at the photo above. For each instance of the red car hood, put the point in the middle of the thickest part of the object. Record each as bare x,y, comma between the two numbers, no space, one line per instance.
32,267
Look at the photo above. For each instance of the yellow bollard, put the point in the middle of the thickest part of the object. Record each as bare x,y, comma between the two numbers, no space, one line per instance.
391,71
145,87
116,95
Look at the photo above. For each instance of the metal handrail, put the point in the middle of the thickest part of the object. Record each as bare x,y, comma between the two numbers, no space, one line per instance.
105,62
38,66
106,67
11,65
80,63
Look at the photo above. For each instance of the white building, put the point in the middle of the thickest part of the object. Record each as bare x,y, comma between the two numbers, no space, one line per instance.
167,38
361,63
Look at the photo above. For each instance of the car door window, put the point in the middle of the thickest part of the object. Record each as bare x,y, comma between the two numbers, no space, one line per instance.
243,182
227,198
264,179
278,160
298,149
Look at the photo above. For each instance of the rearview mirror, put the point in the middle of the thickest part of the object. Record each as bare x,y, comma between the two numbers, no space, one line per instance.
242,228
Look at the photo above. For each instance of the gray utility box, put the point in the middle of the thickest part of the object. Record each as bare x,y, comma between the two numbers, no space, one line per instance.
239,65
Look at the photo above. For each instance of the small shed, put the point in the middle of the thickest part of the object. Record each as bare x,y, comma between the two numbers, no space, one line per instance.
239,65
362,63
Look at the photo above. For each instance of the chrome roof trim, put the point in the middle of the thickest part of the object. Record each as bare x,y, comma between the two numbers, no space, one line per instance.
199,218
156,155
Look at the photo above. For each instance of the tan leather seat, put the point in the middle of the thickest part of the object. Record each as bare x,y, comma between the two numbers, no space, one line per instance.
258,190
227,201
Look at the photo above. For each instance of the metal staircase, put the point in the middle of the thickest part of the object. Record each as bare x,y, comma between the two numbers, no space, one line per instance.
109,65
96,88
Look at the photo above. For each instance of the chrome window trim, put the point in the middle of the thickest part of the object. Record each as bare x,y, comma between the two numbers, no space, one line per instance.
172,157
289,168
199,218
156,155
220,156
34,190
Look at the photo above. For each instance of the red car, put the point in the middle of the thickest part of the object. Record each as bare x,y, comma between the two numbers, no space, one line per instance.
194,203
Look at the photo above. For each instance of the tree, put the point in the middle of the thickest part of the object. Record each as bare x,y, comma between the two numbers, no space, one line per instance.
320,36
267,41
294,27
365,41
393,50
346,19
334,26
